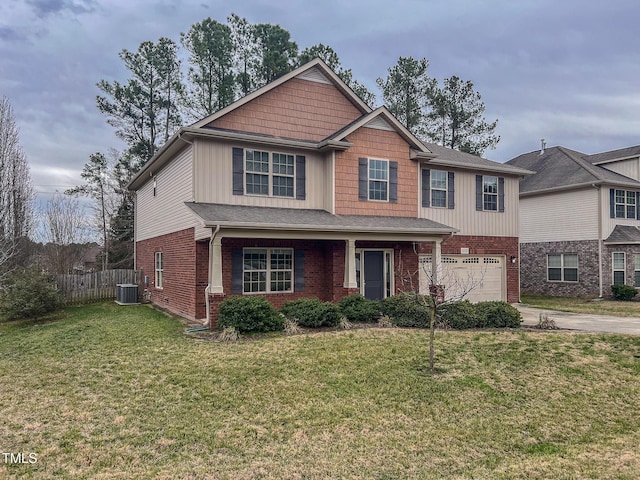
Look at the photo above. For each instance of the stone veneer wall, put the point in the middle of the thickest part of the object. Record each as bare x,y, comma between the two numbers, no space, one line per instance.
533,269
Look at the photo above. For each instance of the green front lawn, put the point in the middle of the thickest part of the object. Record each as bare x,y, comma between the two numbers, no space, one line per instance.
584,305
119,392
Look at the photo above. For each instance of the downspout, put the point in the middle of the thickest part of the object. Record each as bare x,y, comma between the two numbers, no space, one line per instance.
209,275
600,239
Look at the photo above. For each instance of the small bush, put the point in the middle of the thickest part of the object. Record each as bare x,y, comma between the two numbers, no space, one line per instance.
291,327
623,292
28,294
357,308
459,315
249,314
229,334
407,310
312,313
497,315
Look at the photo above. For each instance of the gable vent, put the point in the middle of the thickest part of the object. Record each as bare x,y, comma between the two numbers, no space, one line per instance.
314,75
379,124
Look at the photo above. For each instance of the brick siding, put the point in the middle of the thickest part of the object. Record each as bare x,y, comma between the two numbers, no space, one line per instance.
534,269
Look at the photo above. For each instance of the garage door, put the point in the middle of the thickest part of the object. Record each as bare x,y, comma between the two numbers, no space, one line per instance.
470,277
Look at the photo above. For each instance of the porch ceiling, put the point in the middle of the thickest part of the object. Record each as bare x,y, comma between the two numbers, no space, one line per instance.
296,219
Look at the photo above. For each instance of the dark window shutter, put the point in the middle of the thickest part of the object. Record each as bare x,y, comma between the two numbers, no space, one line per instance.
301,180
363,181
501,194
236,270
238,171
637,205
479,192
393,182
426,187
612,203
451,190
298,273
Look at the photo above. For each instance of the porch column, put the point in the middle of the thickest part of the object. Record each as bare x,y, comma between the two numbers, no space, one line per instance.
350,280
436,262
215,265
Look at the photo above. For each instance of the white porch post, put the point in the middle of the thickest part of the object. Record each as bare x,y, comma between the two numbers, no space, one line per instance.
215,264
350,280
436,262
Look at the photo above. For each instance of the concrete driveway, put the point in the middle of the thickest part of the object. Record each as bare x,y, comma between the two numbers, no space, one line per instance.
586,322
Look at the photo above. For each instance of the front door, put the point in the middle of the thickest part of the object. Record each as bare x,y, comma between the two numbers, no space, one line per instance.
374,274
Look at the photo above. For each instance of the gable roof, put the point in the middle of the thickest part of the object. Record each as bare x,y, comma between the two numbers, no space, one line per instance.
314,68
620,154
559,168
377,119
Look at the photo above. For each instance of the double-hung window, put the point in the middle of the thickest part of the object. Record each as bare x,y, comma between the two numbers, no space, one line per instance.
438,188
636,270
257,168
267,270
269,173
490,193
618,267
625,204
378,180
159,270
562,267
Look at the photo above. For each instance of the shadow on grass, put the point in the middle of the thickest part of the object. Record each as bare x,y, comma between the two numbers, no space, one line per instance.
7,325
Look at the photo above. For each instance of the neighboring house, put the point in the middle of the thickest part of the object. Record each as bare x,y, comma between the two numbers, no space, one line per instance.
579,221
302,190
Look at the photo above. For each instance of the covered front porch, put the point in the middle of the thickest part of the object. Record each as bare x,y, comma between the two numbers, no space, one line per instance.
285,254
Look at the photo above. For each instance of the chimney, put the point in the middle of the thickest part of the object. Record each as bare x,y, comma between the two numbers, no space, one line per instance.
543,145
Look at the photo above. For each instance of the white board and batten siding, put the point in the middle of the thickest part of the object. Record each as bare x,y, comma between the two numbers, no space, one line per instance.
464,215
564,216
214,178
165,212
477,278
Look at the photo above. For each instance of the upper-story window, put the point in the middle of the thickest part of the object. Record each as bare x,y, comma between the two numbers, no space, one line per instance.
269,173
378,179
490,193
625,204
272,174
438,188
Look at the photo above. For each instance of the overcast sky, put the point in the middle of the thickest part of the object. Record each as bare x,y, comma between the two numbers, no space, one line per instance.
567,71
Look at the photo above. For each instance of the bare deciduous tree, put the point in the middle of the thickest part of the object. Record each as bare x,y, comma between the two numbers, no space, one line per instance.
16,191
65,234
441,286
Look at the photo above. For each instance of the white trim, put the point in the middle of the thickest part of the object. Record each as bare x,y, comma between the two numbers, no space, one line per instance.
369,179
315,75
385,272
158,278
614,269
268,270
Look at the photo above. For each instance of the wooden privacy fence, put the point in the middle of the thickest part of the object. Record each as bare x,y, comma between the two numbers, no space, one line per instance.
96,286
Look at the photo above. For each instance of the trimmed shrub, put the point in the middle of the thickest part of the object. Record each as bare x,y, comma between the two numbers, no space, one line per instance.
249,314
312,313
406,310
28,294
623,292
497,315
356,308
459,315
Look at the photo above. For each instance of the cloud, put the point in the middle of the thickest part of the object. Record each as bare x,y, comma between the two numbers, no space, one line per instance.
44,8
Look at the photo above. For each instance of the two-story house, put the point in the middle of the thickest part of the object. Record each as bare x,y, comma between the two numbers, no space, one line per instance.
579,221
300,189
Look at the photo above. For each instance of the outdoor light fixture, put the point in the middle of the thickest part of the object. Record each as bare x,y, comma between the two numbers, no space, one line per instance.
513,259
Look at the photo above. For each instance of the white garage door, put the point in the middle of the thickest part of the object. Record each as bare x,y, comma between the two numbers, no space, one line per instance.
475,278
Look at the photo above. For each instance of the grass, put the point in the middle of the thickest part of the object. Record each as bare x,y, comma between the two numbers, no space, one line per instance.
584,305
119,392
